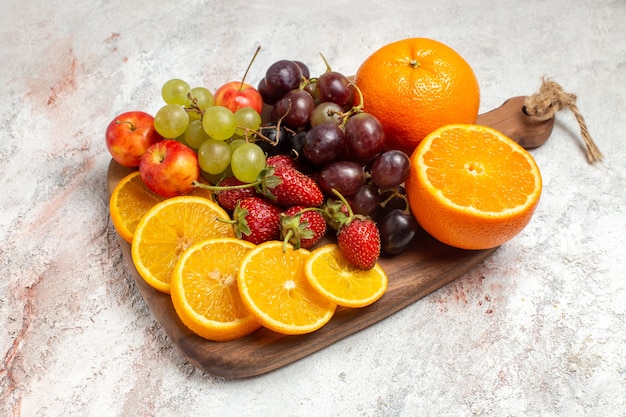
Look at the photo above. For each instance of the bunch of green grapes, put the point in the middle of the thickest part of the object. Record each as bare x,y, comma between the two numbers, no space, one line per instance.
214,132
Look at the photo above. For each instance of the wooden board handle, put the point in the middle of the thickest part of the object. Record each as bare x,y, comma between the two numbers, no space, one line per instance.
511,120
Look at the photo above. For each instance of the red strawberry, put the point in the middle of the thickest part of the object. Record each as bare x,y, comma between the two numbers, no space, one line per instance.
287,187
229,197
256,220
302,227
281,160
359,241
358,236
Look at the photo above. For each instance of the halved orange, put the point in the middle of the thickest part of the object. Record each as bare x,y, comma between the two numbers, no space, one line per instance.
131,199
274,288
472,187
170,227
335,278
205,293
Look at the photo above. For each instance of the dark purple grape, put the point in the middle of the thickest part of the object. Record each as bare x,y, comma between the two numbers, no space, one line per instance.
366,201
365,138
397,229
283,76
275,140
312,89
304,69
268,95
333,86
324,144
390,169
394,198
344,176
297,146
294,109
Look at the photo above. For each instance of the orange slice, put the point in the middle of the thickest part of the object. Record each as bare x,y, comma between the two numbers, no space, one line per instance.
131,199
170,227
331,275
204,289
274,288
472,187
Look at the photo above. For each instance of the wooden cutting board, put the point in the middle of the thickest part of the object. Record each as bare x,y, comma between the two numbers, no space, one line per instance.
423,268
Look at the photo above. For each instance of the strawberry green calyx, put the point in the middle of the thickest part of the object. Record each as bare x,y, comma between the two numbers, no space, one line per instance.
302,227
335,212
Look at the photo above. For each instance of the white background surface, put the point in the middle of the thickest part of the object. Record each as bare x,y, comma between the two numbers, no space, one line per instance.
536,330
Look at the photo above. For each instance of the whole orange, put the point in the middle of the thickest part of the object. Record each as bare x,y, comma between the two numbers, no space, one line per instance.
414,86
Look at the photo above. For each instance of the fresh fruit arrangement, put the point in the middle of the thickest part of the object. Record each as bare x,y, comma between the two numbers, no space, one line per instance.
272,205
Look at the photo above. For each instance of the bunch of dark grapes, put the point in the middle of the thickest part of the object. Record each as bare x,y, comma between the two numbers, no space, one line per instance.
320,122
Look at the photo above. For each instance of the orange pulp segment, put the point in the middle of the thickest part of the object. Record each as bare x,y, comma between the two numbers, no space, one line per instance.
170,227
331,275
274,288
204,289
131,199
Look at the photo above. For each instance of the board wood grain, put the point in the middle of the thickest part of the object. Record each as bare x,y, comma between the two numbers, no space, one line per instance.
424,267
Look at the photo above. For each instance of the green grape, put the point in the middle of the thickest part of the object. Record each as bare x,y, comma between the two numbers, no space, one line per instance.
202,99
219,122
247,161
326,112
195,135
235,143
247,119
176,91
237,137
216,178
214,156
181,139
171,121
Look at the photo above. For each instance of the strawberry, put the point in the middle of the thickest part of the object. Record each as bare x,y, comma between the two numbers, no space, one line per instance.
256,220
229,197
302,227
359,241
282,182
287,187
358,236
281,160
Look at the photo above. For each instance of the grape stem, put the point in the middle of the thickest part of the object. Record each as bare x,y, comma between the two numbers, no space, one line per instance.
258,133
328,68
248,132
194,106
344,116
358,91
306,81
395,194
